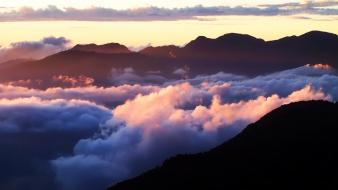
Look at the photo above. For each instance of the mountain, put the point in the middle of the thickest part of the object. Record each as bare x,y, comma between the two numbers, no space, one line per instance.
161,51
231,53
14,62
229,42
111,48
292,147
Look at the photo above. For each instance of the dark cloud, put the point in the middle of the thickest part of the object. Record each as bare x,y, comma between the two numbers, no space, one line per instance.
60,41
157,13
33,131
33,49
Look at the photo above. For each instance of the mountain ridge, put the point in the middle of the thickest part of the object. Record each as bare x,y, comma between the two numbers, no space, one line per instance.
292,147
110,48
234,37
230,53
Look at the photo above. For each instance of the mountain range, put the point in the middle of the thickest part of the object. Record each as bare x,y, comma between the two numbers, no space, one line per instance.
230,53
292,147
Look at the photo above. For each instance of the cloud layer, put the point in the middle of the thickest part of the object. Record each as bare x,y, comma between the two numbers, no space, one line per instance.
159,13
109,96
91,137
186,117
33,49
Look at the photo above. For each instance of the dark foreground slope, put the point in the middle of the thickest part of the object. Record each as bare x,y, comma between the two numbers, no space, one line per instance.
293,147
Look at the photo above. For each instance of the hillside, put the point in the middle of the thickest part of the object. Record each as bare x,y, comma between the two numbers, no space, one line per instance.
293,147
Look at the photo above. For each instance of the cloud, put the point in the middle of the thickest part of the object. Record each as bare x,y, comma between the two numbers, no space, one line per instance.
33,49
73,81
180,71
160,13
187,118
55,138
233,88
139,48
151,128
109,96
128,76
93,171
33,131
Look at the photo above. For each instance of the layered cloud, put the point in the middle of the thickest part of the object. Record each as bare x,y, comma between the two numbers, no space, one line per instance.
91,137
160,13
109,96
33,49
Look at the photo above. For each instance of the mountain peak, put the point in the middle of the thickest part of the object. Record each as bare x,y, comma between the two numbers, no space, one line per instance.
313,40
236,36
225,41
319,35
200,41
161,51
110,48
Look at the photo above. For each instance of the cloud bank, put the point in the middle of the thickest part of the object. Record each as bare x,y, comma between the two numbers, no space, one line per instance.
76,138
160,13
33,49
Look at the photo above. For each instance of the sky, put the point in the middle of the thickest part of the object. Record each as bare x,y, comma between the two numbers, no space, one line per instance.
134,3
149,22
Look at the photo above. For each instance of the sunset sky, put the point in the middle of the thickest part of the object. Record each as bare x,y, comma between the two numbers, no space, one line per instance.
143,22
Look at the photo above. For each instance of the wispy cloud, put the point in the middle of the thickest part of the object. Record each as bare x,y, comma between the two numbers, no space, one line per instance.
160,13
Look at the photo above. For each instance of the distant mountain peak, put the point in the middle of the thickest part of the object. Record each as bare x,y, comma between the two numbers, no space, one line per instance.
162,51
199,42
318,35
237,36
202,38
313,40
110,48
226,40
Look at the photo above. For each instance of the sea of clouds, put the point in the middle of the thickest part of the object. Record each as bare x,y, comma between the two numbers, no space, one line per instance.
90,137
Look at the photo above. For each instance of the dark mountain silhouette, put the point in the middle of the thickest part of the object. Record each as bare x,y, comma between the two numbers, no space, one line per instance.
113,48
228,42
293,147
162,51
232,53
